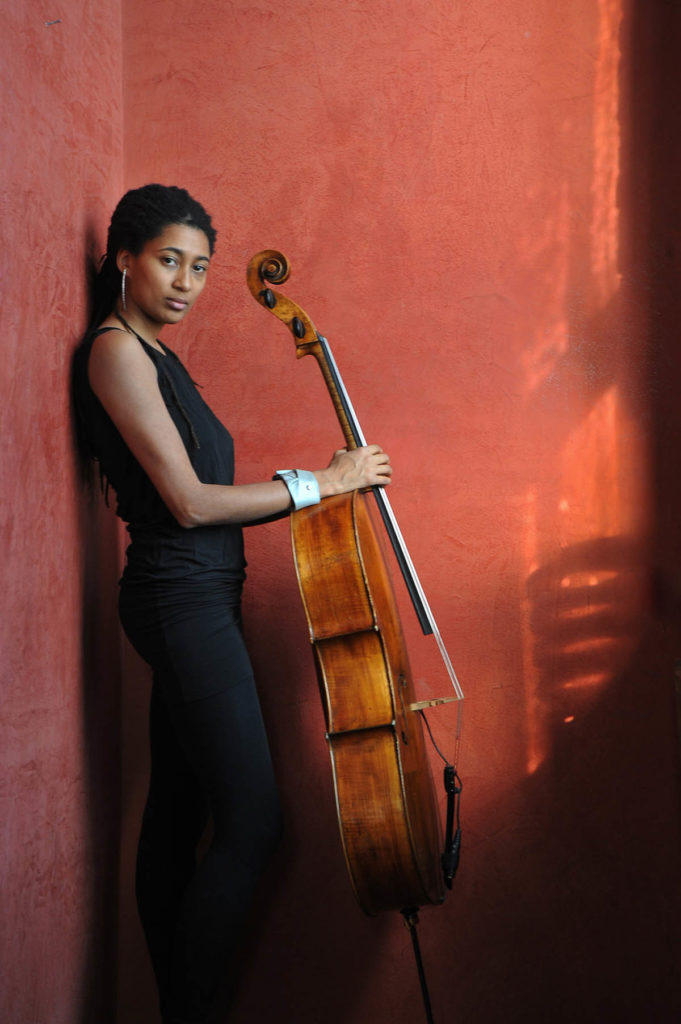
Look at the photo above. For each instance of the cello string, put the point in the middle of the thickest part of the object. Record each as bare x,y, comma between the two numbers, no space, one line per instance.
398,533
389,522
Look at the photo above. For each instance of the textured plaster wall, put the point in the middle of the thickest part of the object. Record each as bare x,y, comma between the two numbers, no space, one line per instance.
61,159
479,202
468,194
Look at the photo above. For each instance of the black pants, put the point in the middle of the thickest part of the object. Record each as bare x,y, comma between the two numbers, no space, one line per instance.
209,759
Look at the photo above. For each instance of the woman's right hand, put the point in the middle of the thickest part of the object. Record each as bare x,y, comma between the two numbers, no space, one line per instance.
349,470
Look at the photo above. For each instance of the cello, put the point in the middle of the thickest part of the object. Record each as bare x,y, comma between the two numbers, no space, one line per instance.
387,810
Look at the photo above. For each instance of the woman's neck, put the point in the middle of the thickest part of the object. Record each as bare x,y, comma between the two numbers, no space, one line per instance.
143,332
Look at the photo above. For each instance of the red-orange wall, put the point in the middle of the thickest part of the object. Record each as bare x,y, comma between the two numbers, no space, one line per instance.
61,157
479,204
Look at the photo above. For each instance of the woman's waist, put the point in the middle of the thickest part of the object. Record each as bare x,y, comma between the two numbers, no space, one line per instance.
192,590
168,552
146,607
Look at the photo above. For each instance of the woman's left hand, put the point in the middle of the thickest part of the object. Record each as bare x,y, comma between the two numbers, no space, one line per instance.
351,469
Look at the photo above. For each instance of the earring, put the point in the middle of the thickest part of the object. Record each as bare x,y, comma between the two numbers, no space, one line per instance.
125,270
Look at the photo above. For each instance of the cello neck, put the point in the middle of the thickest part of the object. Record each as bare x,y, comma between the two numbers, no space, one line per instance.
354,438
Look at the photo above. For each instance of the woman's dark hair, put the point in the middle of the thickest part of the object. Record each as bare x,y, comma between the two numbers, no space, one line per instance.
142,214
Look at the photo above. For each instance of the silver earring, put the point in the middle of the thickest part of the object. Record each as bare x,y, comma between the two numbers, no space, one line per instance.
125,270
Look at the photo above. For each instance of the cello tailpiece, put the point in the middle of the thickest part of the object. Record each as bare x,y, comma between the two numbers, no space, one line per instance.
421,705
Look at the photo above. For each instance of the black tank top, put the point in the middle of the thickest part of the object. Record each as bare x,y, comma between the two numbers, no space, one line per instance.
161,550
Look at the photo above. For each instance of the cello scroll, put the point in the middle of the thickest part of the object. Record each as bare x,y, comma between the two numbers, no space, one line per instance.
271,267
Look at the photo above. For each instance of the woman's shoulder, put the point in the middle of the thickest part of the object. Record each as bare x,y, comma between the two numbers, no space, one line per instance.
118,358
112,343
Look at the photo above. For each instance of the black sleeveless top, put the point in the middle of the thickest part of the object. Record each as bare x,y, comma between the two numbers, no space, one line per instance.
161,551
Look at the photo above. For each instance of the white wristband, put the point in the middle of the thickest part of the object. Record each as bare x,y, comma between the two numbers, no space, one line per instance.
302,486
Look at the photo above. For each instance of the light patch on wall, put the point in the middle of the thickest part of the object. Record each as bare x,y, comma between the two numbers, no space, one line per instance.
606,155
551,249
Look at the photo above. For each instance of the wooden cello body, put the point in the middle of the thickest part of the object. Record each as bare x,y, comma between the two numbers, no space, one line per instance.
387,810
385,799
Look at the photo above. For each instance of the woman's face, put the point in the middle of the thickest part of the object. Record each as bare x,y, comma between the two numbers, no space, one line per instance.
165,279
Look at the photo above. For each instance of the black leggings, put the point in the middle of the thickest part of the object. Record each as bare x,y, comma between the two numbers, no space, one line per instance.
209,759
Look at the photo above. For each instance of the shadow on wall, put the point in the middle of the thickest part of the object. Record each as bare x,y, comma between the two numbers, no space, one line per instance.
101,686
600,836
589,851
585,611
101,724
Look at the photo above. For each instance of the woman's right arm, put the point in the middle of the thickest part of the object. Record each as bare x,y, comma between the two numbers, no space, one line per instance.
125,381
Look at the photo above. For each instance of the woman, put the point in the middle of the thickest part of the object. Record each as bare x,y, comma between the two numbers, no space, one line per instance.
170,462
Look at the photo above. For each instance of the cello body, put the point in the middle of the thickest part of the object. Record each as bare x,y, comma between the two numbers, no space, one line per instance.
387,813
